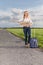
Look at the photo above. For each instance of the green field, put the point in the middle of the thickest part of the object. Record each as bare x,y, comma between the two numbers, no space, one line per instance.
38,33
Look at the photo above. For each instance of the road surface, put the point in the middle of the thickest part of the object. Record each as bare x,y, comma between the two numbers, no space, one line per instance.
13,52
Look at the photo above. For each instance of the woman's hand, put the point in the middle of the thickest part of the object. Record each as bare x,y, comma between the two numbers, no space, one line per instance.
25,24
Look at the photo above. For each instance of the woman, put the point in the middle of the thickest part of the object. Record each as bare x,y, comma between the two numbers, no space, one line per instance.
26,23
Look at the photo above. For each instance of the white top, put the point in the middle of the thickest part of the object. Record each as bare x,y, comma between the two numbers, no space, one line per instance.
27,20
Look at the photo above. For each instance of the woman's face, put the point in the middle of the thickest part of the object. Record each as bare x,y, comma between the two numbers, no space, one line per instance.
26,14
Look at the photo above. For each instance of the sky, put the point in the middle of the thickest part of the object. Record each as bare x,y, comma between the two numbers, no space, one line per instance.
11,10
5,4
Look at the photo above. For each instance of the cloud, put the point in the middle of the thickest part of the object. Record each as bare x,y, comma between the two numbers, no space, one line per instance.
17,11
37,13
14,14
5,18
5,13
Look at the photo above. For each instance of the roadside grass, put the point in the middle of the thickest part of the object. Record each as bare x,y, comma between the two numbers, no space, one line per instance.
38,34
0,29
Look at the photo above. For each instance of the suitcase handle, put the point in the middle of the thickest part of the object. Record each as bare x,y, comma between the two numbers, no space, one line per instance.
33,32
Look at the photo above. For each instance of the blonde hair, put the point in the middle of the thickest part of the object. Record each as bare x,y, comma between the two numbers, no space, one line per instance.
24,14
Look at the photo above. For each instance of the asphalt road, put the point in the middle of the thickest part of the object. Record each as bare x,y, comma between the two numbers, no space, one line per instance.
13,52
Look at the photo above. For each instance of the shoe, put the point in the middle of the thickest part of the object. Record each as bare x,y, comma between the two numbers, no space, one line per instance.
27,46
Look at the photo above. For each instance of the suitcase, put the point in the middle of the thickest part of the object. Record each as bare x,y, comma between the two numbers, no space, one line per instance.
33,41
